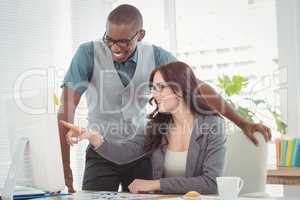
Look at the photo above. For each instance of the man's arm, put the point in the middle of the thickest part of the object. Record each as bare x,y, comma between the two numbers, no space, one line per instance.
69,102
216,102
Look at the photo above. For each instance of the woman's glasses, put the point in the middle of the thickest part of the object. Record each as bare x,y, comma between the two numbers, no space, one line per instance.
157,87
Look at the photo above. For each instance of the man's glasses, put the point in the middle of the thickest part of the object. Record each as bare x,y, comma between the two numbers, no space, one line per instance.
157,87
124,43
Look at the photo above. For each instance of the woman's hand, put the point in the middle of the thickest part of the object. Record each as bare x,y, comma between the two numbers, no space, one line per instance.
76,134
139,186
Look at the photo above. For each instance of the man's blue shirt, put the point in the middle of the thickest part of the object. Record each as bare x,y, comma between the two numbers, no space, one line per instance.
81,68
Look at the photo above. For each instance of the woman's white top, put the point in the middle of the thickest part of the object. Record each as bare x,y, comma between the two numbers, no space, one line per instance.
175,163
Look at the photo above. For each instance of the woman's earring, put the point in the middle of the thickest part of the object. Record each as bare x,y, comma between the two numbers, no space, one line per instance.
178,98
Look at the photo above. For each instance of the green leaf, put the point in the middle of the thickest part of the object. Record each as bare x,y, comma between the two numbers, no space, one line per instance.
240,80
224,81
281,126
246,113
257,101
232,86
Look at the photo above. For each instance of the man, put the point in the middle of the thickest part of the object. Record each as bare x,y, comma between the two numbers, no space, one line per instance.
113,72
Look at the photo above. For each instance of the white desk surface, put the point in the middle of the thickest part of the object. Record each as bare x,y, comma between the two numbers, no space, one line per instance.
96,195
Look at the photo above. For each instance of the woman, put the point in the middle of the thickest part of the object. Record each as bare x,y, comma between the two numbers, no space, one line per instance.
186,138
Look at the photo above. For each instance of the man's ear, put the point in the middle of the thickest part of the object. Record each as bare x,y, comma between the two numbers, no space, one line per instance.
141,35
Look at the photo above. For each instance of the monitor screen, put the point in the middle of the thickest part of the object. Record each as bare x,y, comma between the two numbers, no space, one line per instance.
38,160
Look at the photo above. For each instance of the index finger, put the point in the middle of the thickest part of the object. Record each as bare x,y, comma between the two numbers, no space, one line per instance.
269,134
266,132
266,136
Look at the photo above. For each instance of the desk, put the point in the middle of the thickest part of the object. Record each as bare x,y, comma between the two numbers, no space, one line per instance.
165,197
85,195
284,176
288,177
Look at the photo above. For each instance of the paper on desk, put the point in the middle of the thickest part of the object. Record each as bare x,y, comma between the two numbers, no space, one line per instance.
217,198
112,195
203,197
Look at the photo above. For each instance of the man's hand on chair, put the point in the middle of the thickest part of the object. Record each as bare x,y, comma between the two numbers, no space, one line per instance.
250,128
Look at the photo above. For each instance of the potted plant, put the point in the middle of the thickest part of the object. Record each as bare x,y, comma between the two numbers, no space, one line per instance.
232,88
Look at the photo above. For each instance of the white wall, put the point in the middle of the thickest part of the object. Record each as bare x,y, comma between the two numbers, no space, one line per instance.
288,17
43,36
156,20
33,35
88,20
88,23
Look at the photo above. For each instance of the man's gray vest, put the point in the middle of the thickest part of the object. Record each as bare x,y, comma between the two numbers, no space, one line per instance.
116,111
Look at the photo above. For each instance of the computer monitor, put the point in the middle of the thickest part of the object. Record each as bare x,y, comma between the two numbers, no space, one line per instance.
36,160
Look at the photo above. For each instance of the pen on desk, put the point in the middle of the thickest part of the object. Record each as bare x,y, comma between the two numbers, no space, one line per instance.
34,196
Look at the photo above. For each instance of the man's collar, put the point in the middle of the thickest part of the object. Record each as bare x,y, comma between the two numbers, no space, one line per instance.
133,57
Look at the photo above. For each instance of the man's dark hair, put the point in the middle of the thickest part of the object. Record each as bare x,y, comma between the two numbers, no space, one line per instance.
126,14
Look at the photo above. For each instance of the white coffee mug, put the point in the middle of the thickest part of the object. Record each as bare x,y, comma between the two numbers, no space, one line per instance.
229,187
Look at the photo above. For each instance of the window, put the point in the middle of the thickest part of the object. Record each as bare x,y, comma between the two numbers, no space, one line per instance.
226,35
43,36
